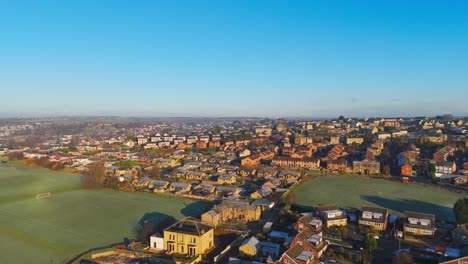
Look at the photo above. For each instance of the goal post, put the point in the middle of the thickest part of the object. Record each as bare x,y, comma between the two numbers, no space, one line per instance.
43,195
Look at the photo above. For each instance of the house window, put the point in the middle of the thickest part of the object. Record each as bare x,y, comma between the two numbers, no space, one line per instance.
193,240
192,251
170,247
182,249
155,244
171,237
181,238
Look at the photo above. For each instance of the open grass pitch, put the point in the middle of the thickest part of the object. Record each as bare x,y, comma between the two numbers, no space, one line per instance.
73,219
354,192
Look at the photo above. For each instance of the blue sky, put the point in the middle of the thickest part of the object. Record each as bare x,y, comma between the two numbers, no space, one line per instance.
233,58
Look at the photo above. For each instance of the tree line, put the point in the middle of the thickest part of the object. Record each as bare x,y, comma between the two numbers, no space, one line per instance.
46,163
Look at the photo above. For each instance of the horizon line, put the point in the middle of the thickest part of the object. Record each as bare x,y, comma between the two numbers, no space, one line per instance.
221,117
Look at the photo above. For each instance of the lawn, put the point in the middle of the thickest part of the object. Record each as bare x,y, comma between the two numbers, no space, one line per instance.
18,181
354,192
72,220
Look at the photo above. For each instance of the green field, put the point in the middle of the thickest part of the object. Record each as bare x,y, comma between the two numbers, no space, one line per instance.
354,192
72,220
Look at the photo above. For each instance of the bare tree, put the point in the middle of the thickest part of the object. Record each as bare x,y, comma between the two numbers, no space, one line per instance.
95,176
154,173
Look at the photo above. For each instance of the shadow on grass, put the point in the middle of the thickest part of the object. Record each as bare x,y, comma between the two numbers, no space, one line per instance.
196,209
150,223
153,223
402,205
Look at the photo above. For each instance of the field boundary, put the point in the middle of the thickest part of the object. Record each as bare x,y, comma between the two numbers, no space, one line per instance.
290,190
88,253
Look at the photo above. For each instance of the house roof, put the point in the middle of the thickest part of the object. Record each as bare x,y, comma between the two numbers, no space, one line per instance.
179,184
306,218
189,226
239,204
158,183
375,214
298,253
226,177
307,233
269,247
313,238
311,221
418,217
383,211
252,242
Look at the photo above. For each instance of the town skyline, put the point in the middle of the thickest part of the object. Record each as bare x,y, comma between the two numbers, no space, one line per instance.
214,117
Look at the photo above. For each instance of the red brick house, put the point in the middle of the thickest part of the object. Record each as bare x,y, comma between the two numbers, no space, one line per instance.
311,241
308,221
202,144
214,144
297,255
184,145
